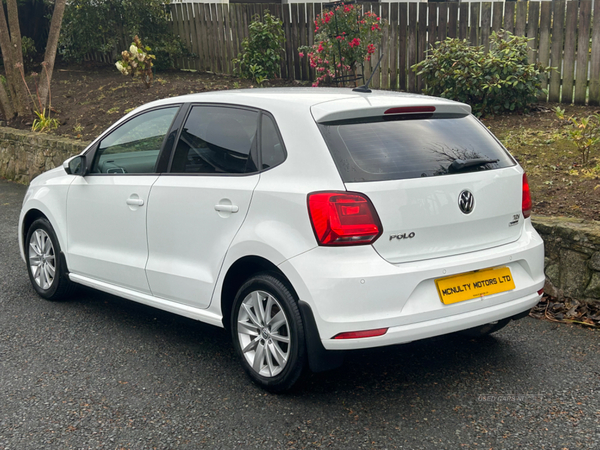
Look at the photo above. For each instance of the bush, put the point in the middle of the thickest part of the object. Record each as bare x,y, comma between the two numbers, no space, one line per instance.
584,133
494,82
261,51
101,25
344,38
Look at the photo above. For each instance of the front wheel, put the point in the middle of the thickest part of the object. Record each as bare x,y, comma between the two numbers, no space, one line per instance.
44,264
268,333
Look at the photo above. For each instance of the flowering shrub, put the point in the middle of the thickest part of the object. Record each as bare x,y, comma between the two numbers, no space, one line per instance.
136,62
345,37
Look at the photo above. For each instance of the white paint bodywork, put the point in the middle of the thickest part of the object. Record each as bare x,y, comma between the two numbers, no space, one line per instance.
174,251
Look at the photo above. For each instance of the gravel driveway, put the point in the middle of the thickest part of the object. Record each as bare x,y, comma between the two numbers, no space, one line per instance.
104,373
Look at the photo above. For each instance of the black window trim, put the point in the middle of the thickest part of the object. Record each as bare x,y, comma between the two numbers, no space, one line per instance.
175,124
189,107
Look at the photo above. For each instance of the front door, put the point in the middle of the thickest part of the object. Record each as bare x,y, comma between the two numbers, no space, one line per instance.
106,209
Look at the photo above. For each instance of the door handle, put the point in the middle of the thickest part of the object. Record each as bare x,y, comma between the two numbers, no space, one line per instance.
227,208
132,201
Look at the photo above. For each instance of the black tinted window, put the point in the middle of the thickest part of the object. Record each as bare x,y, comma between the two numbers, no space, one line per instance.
217,139
388,149
271,146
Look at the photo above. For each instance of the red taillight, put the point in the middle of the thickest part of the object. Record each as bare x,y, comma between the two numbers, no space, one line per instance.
411,110
361,334
526,206
343,218
541,291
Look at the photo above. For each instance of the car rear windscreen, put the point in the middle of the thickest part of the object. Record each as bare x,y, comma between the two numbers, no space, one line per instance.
411,146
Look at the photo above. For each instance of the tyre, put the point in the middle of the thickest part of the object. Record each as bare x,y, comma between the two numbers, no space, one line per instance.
485,330
268,333
44,263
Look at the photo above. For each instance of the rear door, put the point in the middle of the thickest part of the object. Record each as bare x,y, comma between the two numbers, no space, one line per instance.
441,183
197,208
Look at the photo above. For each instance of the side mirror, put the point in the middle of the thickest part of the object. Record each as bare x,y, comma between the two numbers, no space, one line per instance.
75,165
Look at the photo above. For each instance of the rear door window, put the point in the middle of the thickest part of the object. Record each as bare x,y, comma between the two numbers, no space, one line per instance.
272,150
401,147
217,140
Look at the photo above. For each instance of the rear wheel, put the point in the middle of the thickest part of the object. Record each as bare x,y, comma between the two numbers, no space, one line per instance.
44,264
268,333
485,330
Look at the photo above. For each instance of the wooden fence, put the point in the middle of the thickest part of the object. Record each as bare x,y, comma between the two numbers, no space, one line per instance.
563,35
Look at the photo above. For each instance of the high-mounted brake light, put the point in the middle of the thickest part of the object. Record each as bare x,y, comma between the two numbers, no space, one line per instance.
343,218
411,110
527,204
361,334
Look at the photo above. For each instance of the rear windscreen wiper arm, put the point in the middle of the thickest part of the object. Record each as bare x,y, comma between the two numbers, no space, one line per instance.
460,164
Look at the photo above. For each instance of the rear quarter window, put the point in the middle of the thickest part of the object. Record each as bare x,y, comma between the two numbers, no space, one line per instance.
410,146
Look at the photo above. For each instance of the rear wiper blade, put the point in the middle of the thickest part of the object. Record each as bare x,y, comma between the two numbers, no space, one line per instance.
461,164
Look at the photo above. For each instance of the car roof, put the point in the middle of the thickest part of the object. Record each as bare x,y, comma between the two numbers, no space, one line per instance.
324,103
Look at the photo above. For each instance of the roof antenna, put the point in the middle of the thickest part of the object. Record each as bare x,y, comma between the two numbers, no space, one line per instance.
365,87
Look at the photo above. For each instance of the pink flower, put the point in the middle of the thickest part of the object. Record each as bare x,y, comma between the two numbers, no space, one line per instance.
354,42
301,55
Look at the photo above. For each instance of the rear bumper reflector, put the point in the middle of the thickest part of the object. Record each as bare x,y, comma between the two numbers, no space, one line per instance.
361,334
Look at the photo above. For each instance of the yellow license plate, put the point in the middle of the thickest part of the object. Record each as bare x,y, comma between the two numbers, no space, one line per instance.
466,286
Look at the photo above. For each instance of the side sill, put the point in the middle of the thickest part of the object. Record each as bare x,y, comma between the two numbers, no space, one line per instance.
166,305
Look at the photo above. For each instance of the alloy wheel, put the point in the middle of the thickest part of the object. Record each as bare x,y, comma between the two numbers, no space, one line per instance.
42,259
264,333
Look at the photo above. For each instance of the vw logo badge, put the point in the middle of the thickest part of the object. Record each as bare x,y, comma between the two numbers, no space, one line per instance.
466,202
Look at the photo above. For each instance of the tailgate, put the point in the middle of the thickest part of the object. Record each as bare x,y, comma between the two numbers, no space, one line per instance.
422,218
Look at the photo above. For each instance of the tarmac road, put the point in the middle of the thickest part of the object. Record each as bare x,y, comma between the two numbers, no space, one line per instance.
104,373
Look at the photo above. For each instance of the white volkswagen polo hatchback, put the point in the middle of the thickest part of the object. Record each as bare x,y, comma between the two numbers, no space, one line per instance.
306,221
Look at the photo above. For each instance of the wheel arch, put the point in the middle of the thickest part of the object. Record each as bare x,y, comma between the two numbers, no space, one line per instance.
238,273
319,359
30,216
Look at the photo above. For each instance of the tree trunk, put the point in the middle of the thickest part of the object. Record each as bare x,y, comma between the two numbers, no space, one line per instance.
5,103
12,54
15,30
50,55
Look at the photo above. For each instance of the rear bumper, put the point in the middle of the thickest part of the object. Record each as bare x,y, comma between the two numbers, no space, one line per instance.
354,289
430,328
